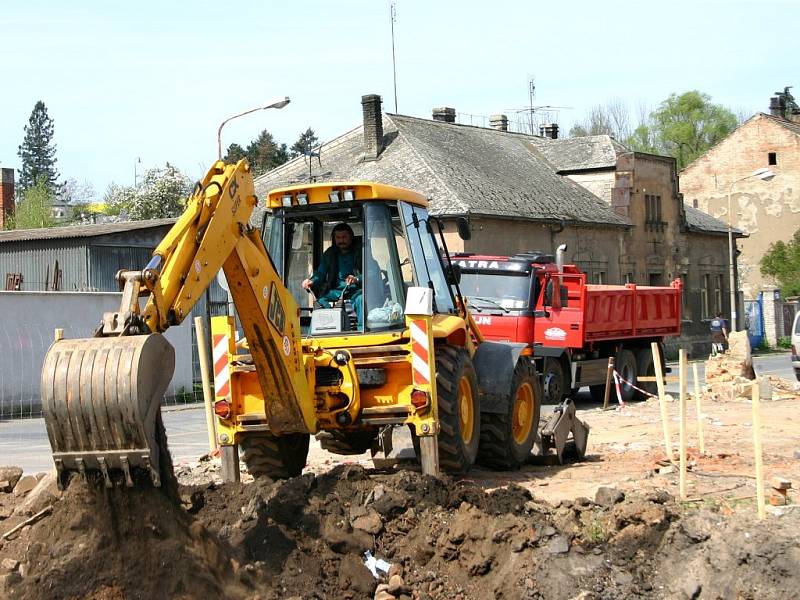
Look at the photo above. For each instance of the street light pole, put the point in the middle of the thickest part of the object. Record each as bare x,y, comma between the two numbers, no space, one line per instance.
279,103
763,174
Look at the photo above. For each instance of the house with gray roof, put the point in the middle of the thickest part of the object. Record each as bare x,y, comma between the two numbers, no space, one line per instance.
619,212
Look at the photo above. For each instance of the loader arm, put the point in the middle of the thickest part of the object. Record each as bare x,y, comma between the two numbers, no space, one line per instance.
101,395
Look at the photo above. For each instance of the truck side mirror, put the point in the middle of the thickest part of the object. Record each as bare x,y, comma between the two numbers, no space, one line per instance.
548,293
463,228
453,274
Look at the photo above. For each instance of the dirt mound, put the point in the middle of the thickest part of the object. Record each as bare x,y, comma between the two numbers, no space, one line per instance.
442,539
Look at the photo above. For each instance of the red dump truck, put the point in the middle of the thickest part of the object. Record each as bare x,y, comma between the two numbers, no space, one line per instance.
570,327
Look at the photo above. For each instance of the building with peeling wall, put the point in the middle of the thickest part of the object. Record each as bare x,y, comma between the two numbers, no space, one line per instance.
766,211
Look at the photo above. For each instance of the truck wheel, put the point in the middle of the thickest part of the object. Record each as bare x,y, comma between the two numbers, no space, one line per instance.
347,442
598,392
625,365
275,456
507,438
646,365
459,414
554,383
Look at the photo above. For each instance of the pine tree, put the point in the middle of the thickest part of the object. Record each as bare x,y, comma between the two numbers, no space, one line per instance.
264,153
234,154
305,143
38,152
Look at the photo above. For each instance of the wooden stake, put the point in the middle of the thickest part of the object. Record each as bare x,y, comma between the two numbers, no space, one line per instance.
757,449
205,374
682,448
608,381
662,403
700,440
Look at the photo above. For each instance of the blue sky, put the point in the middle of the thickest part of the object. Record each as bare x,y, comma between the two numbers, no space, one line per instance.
153,80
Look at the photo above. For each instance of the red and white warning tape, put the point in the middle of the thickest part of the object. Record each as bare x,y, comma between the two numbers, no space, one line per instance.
619,379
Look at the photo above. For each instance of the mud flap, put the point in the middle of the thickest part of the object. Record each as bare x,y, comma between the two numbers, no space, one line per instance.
100,399
565,433
494,367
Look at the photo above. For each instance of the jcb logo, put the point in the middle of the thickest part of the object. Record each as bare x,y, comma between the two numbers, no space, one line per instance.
483,320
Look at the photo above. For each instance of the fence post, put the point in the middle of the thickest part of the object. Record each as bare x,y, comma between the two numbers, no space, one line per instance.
609,372
662,403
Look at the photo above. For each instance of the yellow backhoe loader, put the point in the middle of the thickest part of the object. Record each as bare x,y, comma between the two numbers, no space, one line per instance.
396,348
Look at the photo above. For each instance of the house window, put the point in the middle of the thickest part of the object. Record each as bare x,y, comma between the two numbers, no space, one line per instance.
772,158
694,203
705,308
718,296
652,212
656,279
628,277
599,277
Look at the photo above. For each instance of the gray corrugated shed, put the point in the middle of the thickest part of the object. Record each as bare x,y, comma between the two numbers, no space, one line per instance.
462,169
581,153
79,231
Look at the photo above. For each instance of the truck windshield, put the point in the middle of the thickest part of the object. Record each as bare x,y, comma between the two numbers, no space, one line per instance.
490,292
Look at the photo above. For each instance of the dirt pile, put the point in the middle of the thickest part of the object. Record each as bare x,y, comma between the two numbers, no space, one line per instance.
433,538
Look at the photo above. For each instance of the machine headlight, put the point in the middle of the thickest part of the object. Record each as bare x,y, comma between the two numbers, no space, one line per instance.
302,199
286,200
349,195
334,196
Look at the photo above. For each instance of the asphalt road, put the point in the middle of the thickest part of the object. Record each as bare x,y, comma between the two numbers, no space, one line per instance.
23,442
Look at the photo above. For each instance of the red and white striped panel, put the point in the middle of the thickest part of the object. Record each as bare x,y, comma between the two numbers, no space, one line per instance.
222,383
420,352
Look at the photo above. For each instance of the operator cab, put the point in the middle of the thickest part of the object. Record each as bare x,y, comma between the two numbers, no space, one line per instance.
392,249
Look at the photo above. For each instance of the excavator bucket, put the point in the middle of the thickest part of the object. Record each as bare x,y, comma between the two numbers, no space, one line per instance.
101,398
565,433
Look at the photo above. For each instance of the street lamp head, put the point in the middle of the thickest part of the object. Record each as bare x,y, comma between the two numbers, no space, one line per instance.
764,174
278,103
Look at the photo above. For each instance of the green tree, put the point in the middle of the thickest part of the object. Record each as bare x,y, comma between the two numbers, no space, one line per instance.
35,208
782,262
160,194
234,154
683,127
305,143
38,152
264,153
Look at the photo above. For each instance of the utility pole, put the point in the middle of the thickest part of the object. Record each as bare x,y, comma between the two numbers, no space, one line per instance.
394,63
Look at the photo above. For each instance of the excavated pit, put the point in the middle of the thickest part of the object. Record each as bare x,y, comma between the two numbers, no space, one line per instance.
445,539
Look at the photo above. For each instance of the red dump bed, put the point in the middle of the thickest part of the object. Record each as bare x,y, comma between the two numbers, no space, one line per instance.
614,312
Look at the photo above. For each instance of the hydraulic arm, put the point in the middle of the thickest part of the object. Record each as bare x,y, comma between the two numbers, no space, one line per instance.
101,395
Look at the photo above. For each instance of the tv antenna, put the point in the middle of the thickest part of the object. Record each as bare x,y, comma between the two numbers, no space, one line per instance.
532,109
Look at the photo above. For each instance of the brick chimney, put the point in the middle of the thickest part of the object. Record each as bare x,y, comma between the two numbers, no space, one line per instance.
549,130
373,125
499,122
6,195
775,106
444,114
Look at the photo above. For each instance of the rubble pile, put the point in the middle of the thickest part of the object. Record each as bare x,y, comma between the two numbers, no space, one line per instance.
356,533
730,375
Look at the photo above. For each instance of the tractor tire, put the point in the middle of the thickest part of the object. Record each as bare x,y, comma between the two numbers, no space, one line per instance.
554,382
348,443
646,366
625,365
275,456
459,412
507,438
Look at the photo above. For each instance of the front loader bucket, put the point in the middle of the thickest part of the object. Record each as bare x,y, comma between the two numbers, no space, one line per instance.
101,398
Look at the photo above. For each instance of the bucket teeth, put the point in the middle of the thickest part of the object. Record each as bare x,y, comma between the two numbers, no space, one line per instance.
81,467
104,470
126,469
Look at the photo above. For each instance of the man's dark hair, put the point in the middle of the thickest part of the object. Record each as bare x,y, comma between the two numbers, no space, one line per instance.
343,227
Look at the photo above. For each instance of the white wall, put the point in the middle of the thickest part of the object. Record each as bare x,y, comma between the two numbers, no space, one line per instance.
28,321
